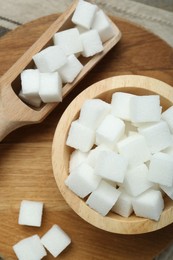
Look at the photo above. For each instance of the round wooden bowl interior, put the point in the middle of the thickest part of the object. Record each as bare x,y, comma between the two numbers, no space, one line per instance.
139,85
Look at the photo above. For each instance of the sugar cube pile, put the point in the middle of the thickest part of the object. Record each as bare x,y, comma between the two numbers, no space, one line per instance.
122,155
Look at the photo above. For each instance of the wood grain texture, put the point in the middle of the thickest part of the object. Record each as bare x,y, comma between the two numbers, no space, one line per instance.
25,155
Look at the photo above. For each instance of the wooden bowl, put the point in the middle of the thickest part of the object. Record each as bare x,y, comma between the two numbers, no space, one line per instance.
104,89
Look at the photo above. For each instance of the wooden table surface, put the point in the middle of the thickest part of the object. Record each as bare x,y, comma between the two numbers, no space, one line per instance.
25,155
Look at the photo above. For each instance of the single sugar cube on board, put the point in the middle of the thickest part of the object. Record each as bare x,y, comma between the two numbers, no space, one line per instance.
34,101
93,112
168,117
161,169
136,180
149,204
82,180
71,69
134,148
80,137
145,108
30,82
76,158
120,105
157,136
50,59
91,42
50,87
111,166
69,41
30,248
30,213
110,130
84,14
103,198
55,240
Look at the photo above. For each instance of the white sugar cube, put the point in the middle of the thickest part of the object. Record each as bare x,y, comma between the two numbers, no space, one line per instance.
120,105
50,59
149,204
91,42
34,101
110,131
169,149
145,108
50,87
82,180
168,117
157,136
103,198
30,80
135,149
80,137
77,157
123,205
29,248
136,180
161,169
55,240
111,166
167,190
84,14
93,112
69,41
71,69
94,153
30,213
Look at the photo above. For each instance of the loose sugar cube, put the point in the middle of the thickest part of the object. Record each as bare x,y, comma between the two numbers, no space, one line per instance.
161,169
34,101
103,198
145,108
110,131
30,79
82,180
91,42
157,136
30,213
50,87
77,157
149,204
69,41
50,59
30,248
134,148
94,153
80,137
123,205
55,240
168,117
93,112
71,69
136,180
111,166
84,14
167,190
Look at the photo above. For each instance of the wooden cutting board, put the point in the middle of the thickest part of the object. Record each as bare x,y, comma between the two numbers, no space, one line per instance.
25,155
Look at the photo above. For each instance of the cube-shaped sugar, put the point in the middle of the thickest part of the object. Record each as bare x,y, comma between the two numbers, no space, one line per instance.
84,14
157,136
93,112
69,41
94,153
29,248
145,108
30,213
149,204
34,101
136,180
30,82
110,130
50,59
103,198
161,169
134,148
91,42
167,190
111,166
50,87
123,205
120,105
82,180
71,69
76,158
168,117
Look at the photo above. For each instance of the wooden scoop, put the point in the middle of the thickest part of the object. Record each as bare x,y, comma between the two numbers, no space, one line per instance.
14,113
